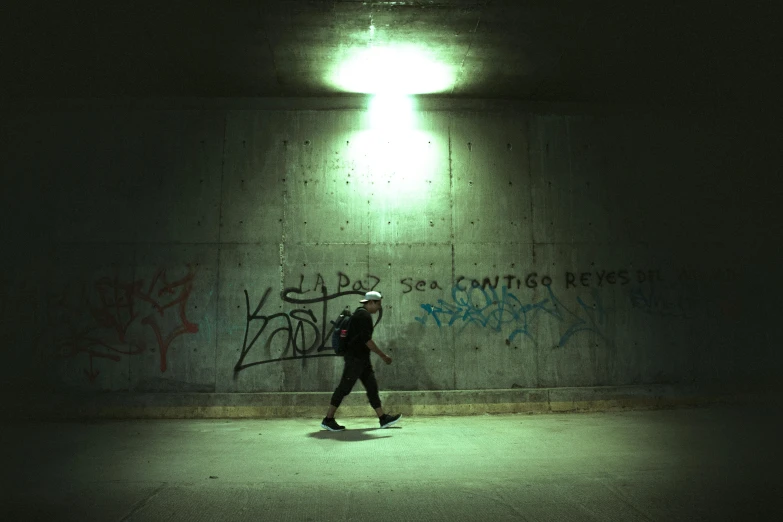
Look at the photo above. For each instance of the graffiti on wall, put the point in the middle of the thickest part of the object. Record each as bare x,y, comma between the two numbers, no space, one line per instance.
660,300
489,302
300,332
588,279
693,292
498,309
493,302
110,317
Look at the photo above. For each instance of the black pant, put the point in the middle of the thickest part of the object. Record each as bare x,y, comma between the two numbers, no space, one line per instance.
357,369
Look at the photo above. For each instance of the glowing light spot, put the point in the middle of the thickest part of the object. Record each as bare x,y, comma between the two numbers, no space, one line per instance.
391,70
391,113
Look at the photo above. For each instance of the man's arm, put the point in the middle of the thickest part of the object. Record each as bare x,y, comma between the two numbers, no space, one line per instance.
374,348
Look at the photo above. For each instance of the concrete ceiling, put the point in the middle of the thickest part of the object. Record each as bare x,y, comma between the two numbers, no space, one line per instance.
553,51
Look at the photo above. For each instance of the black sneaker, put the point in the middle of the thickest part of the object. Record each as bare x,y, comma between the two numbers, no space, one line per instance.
387,420
331,425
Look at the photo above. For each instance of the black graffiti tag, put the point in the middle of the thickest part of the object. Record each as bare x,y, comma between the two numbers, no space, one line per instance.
301,332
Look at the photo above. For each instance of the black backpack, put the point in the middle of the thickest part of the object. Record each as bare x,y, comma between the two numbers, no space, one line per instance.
340,332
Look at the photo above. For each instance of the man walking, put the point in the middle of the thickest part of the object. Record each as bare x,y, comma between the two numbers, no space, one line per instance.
358,365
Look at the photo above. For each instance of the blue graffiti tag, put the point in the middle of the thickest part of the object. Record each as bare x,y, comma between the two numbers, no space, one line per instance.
496,309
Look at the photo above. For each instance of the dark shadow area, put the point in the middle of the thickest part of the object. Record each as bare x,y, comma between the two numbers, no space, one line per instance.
351,435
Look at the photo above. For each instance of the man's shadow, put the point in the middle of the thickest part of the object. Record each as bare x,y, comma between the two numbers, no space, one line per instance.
348,435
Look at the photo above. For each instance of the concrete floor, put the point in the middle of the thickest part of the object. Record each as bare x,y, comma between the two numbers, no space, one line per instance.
690,464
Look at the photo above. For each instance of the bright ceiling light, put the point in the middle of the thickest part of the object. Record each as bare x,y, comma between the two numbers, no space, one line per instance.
391,69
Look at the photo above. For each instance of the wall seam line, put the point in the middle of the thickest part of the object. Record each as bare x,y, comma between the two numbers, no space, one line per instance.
532,218
453,260
219,238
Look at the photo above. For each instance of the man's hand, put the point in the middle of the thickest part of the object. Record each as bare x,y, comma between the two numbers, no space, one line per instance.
374,348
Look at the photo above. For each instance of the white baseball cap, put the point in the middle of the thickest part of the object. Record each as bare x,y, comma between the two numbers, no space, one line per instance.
371,296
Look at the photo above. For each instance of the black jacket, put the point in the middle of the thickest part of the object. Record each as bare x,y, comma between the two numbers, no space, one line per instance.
359,333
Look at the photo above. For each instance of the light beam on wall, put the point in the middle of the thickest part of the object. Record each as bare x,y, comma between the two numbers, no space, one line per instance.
398,156
390,113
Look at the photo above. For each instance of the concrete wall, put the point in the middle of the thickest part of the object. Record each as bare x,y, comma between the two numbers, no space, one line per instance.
205,250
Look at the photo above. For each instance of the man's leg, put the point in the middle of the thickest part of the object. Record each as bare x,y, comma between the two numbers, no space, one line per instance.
371,387
351,371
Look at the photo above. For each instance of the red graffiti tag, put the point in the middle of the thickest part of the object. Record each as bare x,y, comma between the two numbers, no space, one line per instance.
179,291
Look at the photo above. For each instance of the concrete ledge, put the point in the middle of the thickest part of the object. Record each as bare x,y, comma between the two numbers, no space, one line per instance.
119,405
